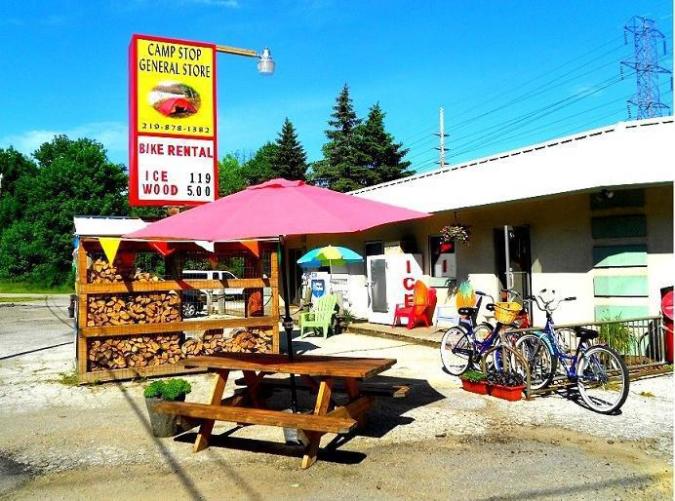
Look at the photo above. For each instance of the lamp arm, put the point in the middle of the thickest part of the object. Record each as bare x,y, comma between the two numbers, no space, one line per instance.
227,49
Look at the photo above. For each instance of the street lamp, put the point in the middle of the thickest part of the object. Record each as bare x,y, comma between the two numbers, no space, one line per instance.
265,62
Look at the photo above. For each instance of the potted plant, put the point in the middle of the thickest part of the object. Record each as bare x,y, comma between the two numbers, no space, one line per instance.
475,382
506,385
166,425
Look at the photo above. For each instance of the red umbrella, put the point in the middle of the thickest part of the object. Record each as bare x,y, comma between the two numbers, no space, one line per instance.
276,208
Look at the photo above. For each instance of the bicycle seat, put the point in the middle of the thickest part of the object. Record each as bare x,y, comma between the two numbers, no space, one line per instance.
466,311
585,334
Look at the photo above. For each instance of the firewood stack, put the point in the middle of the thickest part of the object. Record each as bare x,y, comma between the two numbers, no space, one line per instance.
145,351
250,341
102,272
152,308
243,341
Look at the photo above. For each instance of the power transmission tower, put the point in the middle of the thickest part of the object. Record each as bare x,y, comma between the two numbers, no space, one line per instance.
441,138
646,38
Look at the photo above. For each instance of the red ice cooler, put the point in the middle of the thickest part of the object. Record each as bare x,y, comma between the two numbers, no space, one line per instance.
667,311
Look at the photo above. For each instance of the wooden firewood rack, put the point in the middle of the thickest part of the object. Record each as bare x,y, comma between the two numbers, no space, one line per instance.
85,333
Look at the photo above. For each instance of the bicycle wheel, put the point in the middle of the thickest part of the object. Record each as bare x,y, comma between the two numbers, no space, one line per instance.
482,331
456,350
541,362
602,379
504,358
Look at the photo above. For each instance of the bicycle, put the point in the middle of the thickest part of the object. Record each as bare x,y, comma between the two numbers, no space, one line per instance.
460,345
599,371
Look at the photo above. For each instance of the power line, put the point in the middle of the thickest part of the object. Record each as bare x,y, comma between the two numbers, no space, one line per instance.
541,112
542,89
578,126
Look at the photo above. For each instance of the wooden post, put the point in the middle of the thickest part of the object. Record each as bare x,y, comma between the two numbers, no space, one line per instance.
82,352
202,441
274,285
320,409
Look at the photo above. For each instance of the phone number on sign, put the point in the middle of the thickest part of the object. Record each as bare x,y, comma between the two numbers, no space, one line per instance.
150,126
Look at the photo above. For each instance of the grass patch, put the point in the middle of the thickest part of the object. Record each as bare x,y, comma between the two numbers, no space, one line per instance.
647,394
68,378
20,299
31,288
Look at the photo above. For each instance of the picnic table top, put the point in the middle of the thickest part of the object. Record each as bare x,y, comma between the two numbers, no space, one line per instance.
307,365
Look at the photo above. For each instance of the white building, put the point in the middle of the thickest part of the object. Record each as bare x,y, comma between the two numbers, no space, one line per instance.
589,215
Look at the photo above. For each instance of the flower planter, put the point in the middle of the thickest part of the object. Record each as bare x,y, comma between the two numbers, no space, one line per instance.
479,387
164,425
510,393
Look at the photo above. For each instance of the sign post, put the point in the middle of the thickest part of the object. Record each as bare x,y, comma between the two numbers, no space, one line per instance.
172,122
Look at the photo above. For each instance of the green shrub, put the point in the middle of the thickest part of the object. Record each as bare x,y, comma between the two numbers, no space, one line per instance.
172,389
617,335
473,376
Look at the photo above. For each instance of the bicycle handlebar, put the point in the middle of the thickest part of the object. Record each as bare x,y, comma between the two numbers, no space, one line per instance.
551,305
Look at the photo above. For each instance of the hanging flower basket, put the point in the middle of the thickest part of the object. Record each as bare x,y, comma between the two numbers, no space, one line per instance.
456,233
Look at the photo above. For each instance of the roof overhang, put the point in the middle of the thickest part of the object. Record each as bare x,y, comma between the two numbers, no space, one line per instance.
628,154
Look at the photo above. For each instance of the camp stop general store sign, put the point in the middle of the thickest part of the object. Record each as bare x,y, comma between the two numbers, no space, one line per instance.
172,122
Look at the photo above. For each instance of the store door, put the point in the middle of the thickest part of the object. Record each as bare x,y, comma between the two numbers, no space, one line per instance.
377,283
514,259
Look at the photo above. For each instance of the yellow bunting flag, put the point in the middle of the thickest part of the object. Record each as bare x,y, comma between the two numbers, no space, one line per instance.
110,246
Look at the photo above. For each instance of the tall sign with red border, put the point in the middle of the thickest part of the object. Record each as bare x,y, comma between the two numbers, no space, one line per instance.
172,122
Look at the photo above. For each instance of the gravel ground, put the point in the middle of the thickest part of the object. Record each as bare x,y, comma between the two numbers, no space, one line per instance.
63,442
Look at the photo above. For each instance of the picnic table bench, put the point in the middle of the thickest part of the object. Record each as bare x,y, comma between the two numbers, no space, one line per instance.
319,374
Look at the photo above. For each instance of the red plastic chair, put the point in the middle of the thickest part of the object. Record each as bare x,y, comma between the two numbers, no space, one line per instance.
421,309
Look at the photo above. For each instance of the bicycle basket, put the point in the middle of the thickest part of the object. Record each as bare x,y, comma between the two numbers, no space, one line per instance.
506,312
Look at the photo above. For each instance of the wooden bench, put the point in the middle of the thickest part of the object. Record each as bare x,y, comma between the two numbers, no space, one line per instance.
248,406
374,389
265,417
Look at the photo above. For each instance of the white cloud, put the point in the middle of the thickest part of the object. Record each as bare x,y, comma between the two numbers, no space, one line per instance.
113,135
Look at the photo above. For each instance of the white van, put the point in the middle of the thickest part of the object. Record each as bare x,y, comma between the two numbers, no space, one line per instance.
214,275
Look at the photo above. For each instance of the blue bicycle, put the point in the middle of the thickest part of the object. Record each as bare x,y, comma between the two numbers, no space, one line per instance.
600,373
466,344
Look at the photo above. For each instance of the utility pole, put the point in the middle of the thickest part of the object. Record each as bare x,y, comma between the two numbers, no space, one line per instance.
647,98
441,138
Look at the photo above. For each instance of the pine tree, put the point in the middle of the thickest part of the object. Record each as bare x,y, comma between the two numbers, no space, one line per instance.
289,160
341,168
258,169
382,156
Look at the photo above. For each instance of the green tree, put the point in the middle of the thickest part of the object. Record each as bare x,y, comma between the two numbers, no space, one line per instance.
230,175
289,160
342,166
14,167
259,168
382,156
74,177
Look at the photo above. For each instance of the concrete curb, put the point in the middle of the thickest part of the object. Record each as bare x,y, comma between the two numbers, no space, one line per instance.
397,337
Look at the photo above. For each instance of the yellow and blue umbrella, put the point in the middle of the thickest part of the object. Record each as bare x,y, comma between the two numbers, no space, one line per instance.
328,256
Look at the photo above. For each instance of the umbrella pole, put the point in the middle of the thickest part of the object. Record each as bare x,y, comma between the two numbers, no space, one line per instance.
287,321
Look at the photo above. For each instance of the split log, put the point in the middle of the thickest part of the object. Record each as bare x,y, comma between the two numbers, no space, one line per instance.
143,351
240,341
102,272
125,309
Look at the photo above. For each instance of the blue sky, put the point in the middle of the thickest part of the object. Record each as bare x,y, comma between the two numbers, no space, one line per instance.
498,67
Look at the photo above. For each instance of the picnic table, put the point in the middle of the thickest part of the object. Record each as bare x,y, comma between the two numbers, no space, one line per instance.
320,374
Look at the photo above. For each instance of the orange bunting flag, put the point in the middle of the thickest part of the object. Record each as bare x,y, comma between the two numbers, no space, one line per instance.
253,246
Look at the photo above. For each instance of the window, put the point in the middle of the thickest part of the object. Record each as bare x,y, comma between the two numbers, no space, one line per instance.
374,248
443,260
195,276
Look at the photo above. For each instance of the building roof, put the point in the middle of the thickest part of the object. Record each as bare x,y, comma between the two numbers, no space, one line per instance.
106,226
636,153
